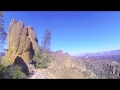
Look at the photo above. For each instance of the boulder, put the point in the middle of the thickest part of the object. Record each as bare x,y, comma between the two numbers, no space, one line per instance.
22,43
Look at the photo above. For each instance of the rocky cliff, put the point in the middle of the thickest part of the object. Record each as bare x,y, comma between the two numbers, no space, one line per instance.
22,42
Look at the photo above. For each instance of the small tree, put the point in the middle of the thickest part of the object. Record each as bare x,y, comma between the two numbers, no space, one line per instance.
46,41
3,34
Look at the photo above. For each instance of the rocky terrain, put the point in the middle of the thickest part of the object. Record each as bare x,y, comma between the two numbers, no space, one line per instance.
23,45
63,66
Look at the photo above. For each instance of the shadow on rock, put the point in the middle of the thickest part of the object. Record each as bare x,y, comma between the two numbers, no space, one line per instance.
19,61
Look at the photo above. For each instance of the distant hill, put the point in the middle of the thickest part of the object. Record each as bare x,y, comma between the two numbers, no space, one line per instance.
104,65
113,55
112,52
2,53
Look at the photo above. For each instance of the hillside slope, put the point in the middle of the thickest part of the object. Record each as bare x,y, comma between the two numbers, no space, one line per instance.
63,66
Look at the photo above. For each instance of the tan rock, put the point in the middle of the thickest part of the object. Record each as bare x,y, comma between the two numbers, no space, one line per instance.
22,42
33,39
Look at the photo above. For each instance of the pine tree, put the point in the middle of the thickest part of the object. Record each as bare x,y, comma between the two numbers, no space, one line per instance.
46,40
3,34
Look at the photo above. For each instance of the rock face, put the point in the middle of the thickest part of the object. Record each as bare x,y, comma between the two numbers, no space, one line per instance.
22,42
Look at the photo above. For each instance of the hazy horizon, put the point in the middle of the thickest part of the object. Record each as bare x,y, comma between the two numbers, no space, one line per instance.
75,32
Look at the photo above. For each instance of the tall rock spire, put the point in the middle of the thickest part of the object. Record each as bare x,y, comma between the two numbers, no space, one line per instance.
22,42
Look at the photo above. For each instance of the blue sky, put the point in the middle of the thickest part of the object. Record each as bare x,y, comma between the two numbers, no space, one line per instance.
74,32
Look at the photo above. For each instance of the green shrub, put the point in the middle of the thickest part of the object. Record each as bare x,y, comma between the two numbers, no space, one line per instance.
3,71
41,60
15,72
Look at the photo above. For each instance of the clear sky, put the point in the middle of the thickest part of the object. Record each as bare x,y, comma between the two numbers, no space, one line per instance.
74,32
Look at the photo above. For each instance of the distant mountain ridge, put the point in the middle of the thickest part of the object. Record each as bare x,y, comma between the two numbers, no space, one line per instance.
113,55
104,53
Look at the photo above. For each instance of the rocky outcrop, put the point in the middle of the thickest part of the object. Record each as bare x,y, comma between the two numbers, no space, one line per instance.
22,42
62,66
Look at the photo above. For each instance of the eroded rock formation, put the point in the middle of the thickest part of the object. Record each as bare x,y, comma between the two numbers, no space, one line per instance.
22,42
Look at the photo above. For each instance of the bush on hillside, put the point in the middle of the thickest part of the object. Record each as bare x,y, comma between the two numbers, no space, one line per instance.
41,60
14,72
3,71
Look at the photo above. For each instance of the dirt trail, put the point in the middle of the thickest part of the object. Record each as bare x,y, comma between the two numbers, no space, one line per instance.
38,74
55,73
